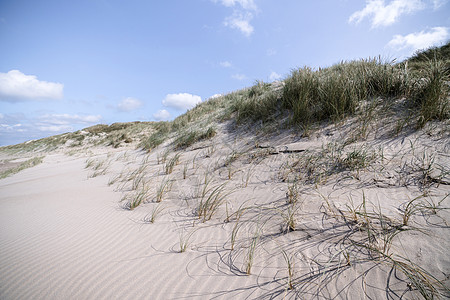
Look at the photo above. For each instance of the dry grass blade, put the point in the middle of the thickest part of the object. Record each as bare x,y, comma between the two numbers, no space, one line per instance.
156,211
290,268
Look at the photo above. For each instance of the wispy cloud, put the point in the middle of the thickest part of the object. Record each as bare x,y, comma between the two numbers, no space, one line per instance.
16,86
66,119
420,40
12,127
225,64
181,101
382,14
239,76
53,123
243,13
129,104
161,115
56,128
16,128
240,21
245,4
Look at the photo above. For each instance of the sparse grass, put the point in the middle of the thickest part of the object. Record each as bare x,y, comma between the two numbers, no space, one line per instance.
288,216
250,257
138,178
164,188
156,211
185,240
100,166
246,177
137,197
410,209
171,163
234,233
290,264
209,206
185,169
293,193
316,167
24,165
162,157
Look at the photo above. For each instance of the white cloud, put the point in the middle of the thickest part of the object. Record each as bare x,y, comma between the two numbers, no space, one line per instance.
15,86
162,115
129,104
241,22
274,76
245,4
239,76
55,128
225,64
65,119
386,14
420,40
14,127
181,101
242,15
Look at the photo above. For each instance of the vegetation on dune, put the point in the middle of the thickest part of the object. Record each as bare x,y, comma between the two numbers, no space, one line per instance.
24,165
113,135
308,96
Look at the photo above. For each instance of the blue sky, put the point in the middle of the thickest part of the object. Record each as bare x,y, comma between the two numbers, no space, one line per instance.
66,65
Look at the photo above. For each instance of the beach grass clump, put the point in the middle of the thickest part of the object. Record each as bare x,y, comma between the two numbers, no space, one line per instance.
334,93
135,198
185,240
99,166
260,104
208,206
430,90
163,188
24,165
171,163
188,138
161,133
154,214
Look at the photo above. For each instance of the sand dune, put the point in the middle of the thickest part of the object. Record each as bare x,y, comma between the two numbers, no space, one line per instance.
69,233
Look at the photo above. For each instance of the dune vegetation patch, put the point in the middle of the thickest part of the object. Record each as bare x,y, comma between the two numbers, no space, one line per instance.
22,166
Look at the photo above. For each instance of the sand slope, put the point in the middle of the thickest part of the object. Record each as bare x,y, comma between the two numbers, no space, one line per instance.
67,235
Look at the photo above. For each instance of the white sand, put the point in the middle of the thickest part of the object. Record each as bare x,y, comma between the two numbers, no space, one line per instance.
66,236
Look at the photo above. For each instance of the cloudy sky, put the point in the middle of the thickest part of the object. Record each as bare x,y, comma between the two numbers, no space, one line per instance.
66,65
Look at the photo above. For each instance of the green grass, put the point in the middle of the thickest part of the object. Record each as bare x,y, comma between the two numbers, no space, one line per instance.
189,137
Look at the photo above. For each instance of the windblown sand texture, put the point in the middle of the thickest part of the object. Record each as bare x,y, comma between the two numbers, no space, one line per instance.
363,220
